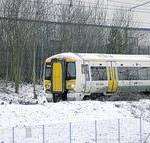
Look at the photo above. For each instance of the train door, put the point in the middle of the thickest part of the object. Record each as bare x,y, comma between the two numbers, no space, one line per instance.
85,72
58,76
112,78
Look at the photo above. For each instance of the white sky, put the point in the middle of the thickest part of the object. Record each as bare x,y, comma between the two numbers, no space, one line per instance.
141,14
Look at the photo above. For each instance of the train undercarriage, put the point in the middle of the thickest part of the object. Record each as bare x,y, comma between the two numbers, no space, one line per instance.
121,96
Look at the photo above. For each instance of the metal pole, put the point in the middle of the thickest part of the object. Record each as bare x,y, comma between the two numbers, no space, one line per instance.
118,130
95,131
13,135
140,129
43,134
70,131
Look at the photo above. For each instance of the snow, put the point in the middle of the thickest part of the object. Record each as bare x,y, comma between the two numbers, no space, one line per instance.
31,115
103,57
78,121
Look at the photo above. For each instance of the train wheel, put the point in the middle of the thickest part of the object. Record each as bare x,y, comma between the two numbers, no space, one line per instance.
49,100
102,98
86,97
64,96
55,98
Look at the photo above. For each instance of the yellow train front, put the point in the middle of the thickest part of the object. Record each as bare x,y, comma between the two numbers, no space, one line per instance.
60,77
78,76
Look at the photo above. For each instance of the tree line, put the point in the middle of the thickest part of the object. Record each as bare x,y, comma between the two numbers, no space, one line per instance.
31,31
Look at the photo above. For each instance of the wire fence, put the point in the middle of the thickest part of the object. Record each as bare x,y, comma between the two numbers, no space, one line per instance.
98,131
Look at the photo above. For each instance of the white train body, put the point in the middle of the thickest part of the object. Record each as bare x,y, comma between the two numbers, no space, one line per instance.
101,74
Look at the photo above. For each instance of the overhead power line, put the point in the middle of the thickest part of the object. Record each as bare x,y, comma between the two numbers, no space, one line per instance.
122,2
94,5
142,4
127,7
128,3
108,8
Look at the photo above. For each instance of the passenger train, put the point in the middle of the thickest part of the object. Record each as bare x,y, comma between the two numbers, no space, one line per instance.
78,76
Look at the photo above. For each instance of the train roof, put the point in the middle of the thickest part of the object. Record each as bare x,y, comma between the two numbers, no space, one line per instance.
114,57
101,57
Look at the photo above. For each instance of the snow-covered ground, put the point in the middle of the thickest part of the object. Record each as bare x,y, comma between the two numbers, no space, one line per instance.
74,121
25,96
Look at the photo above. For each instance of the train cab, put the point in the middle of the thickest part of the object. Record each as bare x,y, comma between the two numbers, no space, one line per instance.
60,76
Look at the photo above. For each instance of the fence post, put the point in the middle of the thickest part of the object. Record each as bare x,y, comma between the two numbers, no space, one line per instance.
95,131
70,131
140,129
13,134
119,131
43,134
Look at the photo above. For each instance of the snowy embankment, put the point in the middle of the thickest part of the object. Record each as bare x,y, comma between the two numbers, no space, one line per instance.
56,118
114,121
25,96
32,115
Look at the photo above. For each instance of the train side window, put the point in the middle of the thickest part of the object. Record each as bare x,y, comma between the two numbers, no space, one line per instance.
122,73
144,73
85,70
98,73
148,73
128,73
47,72
133,73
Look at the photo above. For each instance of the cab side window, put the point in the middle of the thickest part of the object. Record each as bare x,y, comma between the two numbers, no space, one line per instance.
47,72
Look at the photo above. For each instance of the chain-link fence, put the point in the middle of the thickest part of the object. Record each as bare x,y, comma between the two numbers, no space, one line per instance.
98,131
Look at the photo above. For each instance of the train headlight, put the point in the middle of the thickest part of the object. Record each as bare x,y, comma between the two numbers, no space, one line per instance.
48,86
72,86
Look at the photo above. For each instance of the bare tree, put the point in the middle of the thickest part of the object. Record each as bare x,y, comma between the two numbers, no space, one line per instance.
123,39
31,31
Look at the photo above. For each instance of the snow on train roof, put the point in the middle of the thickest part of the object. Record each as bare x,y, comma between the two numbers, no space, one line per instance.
64,55
106,57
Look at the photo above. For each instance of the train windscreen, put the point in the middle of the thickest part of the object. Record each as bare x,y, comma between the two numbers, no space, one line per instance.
71,70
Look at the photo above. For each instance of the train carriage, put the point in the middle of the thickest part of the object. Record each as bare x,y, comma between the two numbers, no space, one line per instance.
80,76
